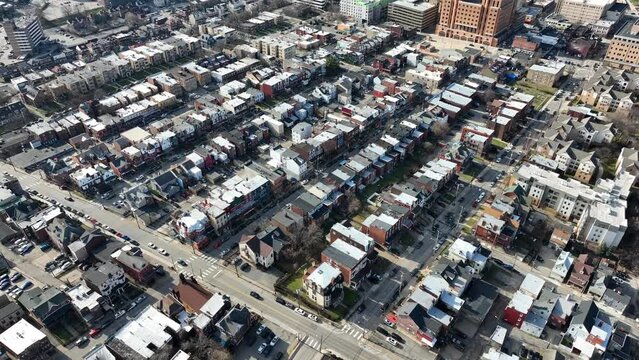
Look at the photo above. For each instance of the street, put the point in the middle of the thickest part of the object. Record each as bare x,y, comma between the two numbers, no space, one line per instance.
207,266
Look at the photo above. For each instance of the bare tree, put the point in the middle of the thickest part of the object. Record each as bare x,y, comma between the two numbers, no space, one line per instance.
307,242
440,129
354,205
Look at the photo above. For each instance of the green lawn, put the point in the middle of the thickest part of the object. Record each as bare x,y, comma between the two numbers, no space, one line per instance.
296,281
541,93
350,297
499,143
395,176
63,336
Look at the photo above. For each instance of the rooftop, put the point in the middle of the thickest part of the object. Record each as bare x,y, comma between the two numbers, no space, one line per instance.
324,275
20,337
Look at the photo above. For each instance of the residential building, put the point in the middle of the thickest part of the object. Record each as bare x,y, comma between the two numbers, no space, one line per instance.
547,74
468,254
480,22
501,220
517,309
539,314
352,262
234,325
10,312
581,12
417,15
262,249
623,51
414,319
582,271
562,266
23,34
63,231
323,285
23,341
104,279
46,306
88,303
134,264
477,138
590,330
144,336
352,236
603,225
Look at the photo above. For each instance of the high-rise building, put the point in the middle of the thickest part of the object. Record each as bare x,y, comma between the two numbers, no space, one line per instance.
583,11
23,34
410,13
364,11
479,21
623,52
318,4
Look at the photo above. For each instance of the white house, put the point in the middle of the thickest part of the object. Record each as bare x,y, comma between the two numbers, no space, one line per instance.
468,253
301,132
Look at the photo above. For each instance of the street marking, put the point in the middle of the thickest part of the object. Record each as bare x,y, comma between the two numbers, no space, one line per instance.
360,336
217,273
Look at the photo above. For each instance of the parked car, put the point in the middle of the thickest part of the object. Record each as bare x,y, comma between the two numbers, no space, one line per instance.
163,252
398,338
300,311
245,267
256,295
182,262
140,299
389,323
81,341
382,331
279,300
313,317
94,332
391,341
119,314
274,341
260,329
25,285
262,347
152,246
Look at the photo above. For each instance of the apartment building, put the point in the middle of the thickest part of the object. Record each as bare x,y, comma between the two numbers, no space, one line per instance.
603,224
420,16
364,11
482,22
324,285
546,74
569,198
278,48
583,11
23,34
623,52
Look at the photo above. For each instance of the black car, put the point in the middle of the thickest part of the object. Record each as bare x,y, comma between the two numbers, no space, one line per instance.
382,331
279,300
361,308
256,295
419,244
245,267
134,242
398,338
267,350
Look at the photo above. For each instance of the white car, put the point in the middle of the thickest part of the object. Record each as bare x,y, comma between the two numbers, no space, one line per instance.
312,317
152,246
274,341
119,314
163,252
436,247
262,348
300,311
391,341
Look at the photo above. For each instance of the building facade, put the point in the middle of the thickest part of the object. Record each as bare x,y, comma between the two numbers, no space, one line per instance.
583,11
623,52
484,21
420,16
24,35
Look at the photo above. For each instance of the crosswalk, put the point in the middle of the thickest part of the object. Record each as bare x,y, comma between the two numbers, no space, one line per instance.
212,271
354,331
312,342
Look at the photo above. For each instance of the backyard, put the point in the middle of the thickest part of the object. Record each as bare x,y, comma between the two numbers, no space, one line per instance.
541,93
498,143
471,171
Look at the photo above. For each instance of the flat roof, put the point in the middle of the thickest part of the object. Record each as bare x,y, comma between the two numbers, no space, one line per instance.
20,337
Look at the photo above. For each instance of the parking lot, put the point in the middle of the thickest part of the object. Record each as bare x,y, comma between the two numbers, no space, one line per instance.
266,340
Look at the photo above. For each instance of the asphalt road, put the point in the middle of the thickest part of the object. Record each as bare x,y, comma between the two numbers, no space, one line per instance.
208,267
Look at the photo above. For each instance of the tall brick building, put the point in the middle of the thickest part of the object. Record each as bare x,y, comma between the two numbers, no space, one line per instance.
479,21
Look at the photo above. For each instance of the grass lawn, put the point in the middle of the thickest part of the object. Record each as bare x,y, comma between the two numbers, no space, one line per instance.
499,143
395,176
465,178
296,281
448,198
380,265
609,166
406,240
541,93
63,336
473,169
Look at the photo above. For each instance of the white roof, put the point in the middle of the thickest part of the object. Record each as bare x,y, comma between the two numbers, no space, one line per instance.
147,331
324,274
20,337
462,248
532,285
348,249
521,302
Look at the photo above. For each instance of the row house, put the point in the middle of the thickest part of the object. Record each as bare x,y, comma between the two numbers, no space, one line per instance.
352,262
501,221
351,236
87,178
235,70
477,138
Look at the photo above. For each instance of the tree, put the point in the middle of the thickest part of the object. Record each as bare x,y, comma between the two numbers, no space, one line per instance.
306,242
354,205
332,66
440,129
